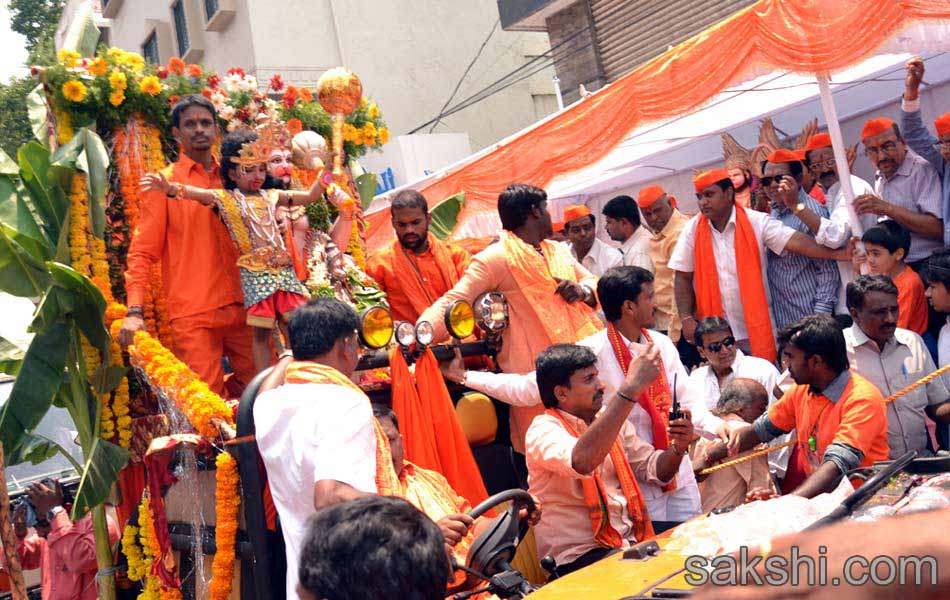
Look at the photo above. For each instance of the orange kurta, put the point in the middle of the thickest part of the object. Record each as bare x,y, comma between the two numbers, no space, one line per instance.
911,301
858,418
425,271
199,271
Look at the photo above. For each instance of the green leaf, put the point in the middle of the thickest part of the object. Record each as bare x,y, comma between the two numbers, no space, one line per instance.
366,185
89,308
41,374
38,112
101,470
7,166
34,449
11,356
16,213
445,215
54,307
20,273
106,378
45,192
87,153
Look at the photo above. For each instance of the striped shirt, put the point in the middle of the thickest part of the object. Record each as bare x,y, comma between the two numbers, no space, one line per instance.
800,286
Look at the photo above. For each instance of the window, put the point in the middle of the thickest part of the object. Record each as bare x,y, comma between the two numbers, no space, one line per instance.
181,27
150,49
105,4
211,7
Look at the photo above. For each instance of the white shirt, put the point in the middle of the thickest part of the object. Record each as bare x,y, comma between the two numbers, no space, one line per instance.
703,392
768,232
835,231
308,433
522,390
636,249
600,257
943,349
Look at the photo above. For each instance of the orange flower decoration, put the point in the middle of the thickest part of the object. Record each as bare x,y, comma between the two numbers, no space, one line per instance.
176,66
227,500
195,71
306,95
294,126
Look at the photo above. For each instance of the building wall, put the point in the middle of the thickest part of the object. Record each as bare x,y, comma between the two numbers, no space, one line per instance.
409,54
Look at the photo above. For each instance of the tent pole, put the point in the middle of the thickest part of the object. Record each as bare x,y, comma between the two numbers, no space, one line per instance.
837,144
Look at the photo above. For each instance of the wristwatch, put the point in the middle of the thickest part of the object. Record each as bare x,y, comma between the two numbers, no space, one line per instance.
51,514
798,208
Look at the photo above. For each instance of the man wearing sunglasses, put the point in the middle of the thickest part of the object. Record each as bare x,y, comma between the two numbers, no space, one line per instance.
906,188
800,286
717,345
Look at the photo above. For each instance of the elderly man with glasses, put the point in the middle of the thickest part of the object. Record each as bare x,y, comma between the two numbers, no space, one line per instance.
906,189
726,362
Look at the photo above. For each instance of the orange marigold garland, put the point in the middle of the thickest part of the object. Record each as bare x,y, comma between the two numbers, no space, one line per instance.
121,400
227,501
203,408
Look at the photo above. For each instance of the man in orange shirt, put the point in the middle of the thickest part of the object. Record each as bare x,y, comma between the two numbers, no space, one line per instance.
839,416
199,262
550,295
418,267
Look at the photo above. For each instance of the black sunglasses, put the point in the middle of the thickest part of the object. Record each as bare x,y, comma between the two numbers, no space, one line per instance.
728,342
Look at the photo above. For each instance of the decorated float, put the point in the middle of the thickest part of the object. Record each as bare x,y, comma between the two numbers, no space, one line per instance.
157,442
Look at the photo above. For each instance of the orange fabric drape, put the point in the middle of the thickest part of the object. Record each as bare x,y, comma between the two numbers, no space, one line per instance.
755,304
415,418
802,36
458,462
412,286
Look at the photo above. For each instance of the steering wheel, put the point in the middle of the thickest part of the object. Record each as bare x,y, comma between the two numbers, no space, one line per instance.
491,551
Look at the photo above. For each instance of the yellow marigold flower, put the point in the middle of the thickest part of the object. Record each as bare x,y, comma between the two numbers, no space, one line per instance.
363,103
115,53
151,85
133,61
69,58
98,67
383,135
369,130
350,133
74,90
373,111
117,98
118,81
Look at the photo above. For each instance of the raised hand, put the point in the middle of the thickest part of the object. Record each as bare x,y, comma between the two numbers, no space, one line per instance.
915,74
154,182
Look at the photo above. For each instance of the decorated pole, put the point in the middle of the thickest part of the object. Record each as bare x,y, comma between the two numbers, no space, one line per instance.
340,92
7,537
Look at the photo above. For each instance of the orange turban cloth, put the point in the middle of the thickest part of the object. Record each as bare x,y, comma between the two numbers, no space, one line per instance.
784,156
575,212
875,126
708,178
649,195
942,123
558,226
819,140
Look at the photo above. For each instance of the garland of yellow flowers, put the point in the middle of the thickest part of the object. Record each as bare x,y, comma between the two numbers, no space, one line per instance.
153,589
115,312
207,411
227,500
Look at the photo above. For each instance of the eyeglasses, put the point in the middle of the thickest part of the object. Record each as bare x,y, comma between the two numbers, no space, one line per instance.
942,146
715,347
821,164
886,147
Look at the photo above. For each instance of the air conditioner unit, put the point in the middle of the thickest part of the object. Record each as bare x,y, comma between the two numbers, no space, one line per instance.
218,14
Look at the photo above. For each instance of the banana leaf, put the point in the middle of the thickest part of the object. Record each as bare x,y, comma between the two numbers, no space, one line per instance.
366,184
44,189
101,470
7,166
39,378
36,449
445,215
20,273
88,308
16,214
87,153
38,113
11,356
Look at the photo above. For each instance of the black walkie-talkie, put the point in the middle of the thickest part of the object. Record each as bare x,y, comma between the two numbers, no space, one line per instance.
675,412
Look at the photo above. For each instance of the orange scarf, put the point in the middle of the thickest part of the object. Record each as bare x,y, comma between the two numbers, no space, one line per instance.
415,418
755,305
595,496
656,400
535,274
429,491
387,484
413,287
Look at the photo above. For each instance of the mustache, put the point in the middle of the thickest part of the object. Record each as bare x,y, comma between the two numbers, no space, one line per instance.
824,174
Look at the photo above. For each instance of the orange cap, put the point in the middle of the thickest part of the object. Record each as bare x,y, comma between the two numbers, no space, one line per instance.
942,123
875,126
649,195
575,212
819,140
784,156
708,178
558,226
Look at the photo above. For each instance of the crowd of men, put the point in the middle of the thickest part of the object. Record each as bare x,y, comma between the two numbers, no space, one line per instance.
763,326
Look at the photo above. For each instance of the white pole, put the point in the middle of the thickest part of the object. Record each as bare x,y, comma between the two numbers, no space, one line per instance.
841,159
557,92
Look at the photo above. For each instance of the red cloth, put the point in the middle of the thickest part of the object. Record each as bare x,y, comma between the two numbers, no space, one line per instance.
415,417
265,313
942,124
131,484
819,140
912,307
708,178
873,127
783,156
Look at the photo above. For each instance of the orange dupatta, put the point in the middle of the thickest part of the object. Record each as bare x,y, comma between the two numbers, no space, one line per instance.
415,418
387,483
410,278
595,496
755,305
535,274
656,400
